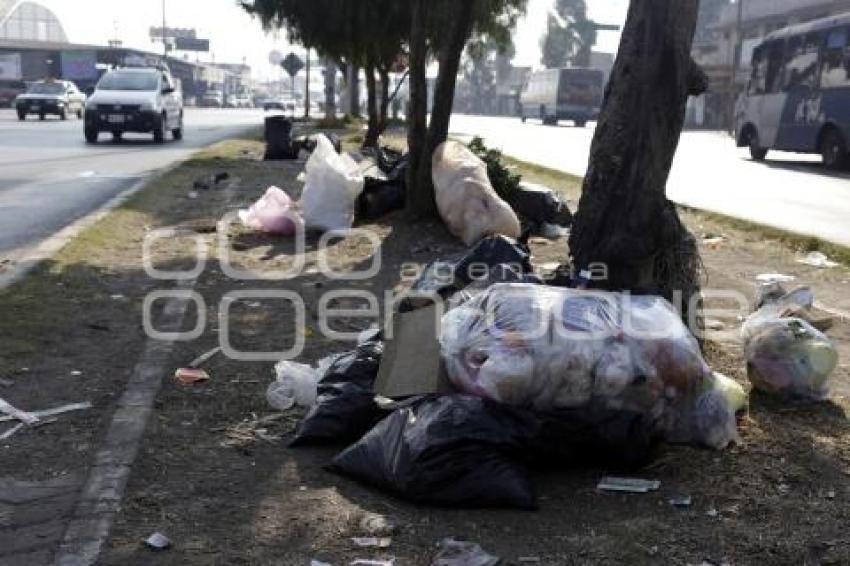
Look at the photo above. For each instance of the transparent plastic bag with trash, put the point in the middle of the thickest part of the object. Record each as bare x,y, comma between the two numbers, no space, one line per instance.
786,354
465,198
548,348
332,184
274,213
296,383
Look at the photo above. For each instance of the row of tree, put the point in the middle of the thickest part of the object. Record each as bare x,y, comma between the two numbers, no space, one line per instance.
380,36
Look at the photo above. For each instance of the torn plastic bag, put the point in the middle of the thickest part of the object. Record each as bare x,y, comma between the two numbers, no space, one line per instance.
273,213
445,277
380,197
345,408
796,304
333,183
454,450
540,205
789,356
465,198
295,383
548,348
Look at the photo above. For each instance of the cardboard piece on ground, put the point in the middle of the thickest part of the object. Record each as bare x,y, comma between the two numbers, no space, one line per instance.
411,364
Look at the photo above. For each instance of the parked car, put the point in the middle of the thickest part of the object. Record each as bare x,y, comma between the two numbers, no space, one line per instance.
283,104
139,100
212,99
239,101
58,98
9,91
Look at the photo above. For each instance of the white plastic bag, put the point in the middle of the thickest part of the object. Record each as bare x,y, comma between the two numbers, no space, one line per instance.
273,213
465,198
550,348
296,384
333,183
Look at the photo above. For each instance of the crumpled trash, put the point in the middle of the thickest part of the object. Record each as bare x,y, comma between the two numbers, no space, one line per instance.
380,197
465,198
295,384
456,450
460,553
345,408
333,183
785,349
274,213
548,348
540,205
818,259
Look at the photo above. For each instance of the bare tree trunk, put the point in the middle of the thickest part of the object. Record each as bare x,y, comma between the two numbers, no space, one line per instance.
384,108
353,90
330,88
373,130
420,198
625,221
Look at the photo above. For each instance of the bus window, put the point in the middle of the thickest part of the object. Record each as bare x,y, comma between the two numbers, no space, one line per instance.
759,71
775,61
801,64
835,70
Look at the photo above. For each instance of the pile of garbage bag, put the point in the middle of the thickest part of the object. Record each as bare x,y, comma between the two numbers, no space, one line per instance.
547,348
786,354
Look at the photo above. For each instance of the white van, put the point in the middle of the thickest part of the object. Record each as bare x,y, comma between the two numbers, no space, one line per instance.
563,94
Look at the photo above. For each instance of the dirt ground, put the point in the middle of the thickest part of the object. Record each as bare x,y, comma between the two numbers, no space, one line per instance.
215,474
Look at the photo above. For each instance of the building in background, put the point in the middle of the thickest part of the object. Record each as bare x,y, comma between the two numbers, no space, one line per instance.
24,20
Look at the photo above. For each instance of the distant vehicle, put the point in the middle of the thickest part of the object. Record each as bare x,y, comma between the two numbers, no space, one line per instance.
212,99
283,104
9,91
58,98
239,101
563,94
798,97
141,100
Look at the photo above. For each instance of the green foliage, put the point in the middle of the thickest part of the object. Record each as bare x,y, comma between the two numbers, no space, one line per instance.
503,180
570,35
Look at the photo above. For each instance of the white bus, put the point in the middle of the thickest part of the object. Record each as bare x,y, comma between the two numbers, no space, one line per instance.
563,94
798,97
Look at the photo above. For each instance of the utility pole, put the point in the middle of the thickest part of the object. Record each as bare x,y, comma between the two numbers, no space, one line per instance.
164,39
307,87
737,55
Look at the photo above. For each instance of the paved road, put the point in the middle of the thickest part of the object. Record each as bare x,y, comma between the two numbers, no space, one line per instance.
50,177
789,191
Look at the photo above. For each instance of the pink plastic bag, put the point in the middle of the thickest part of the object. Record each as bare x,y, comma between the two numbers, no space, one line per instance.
273,213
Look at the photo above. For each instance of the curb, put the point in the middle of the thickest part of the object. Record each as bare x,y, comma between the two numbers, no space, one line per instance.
48,247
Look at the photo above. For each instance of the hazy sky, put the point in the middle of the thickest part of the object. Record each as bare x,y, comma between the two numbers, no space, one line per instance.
234,35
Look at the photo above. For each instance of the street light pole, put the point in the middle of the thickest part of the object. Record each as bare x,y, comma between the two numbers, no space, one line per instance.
737,55
164,40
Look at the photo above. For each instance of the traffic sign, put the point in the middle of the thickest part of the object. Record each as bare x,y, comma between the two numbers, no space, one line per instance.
292,64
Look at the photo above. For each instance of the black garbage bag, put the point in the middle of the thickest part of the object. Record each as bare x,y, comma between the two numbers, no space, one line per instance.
539,205
594,436
390,160
455,450
278,136
445,277
380,197
345,406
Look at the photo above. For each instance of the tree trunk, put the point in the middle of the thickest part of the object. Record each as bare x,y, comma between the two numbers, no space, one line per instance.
384,108
625,225
353,90
373,129
420,198
444,90
330,88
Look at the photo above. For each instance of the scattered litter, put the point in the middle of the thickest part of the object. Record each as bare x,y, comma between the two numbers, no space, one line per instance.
713,243
295,384
6,382
378,525
188,376
372,542
117,297
17,414
331,189
49,412
465,198
460,553
372,562
713,324
8,434
680,501
713,513
818,259
192,195
158,541
249,430
205,357
76,373
315,562
274,213
628,485
775,278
